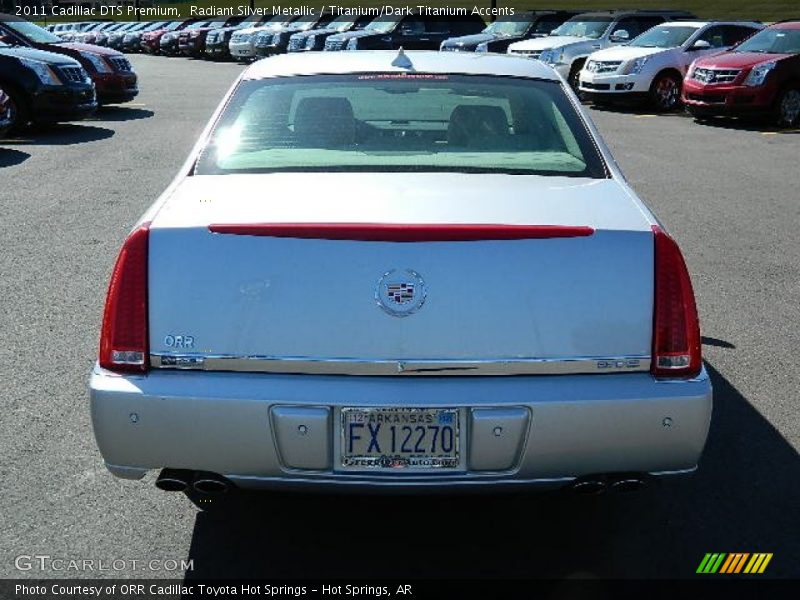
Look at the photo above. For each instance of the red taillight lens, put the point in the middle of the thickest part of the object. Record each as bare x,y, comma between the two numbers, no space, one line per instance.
676,329
123,340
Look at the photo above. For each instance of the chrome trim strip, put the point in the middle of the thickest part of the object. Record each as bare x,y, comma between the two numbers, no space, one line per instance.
422,367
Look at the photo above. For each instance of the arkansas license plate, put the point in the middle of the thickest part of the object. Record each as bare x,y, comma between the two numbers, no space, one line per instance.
400,438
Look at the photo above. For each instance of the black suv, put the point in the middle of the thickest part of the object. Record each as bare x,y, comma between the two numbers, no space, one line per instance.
44,87
303,41
412,32
500,34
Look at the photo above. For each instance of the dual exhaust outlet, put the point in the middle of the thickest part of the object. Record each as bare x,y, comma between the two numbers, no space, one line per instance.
182,480
592,485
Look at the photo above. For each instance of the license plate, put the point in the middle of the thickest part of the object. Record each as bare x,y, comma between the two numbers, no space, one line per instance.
400,438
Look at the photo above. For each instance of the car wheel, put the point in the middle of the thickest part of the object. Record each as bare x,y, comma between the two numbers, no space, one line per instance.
19,111
574,74
665,92
787,107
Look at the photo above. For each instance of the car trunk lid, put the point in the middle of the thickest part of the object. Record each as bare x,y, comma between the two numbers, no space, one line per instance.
295,268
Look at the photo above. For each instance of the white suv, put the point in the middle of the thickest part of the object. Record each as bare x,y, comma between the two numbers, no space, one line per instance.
568,46
653,65
242,42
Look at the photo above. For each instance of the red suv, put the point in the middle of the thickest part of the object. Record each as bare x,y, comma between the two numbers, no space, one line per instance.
759,76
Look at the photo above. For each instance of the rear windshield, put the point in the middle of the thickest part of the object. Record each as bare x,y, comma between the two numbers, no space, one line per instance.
401,122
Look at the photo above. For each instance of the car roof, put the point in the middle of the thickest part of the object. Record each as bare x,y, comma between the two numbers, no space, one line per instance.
380,61
704,23
795,24
685,23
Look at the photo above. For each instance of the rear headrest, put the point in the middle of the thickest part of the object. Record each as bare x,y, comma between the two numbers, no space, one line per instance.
324,123
471,124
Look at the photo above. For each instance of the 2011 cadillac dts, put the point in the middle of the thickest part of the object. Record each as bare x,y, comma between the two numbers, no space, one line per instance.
390,270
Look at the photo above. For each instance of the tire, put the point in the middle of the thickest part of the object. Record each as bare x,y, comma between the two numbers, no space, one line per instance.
786,112
574,74
20,111
665,92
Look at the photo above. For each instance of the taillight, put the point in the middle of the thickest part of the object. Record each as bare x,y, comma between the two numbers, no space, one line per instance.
123,340
676,330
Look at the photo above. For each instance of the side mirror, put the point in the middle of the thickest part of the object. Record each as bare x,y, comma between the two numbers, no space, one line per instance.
701,45
7,39
620,35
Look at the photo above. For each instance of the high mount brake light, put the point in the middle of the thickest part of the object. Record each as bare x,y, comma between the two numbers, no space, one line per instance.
403,232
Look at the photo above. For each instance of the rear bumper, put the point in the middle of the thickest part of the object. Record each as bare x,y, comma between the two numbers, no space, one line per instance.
560,427
727,99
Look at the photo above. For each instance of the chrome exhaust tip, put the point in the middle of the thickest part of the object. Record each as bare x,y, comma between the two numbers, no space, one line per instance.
628,483
173,480
210,483
589,486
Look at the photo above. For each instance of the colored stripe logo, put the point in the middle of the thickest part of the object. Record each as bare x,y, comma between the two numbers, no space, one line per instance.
735,562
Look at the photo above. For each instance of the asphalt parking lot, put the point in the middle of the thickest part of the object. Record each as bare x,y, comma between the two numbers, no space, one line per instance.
68,196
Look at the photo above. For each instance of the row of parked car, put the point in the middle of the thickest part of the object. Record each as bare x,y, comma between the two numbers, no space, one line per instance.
666,58
711,67
44,79
663,57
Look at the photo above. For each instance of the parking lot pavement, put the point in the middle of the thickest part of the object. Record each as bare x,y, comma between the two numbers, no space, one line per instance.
69,196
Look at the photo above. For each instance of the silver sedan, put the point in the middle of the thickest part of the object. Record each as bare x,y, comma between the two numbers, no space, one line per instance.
399,270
